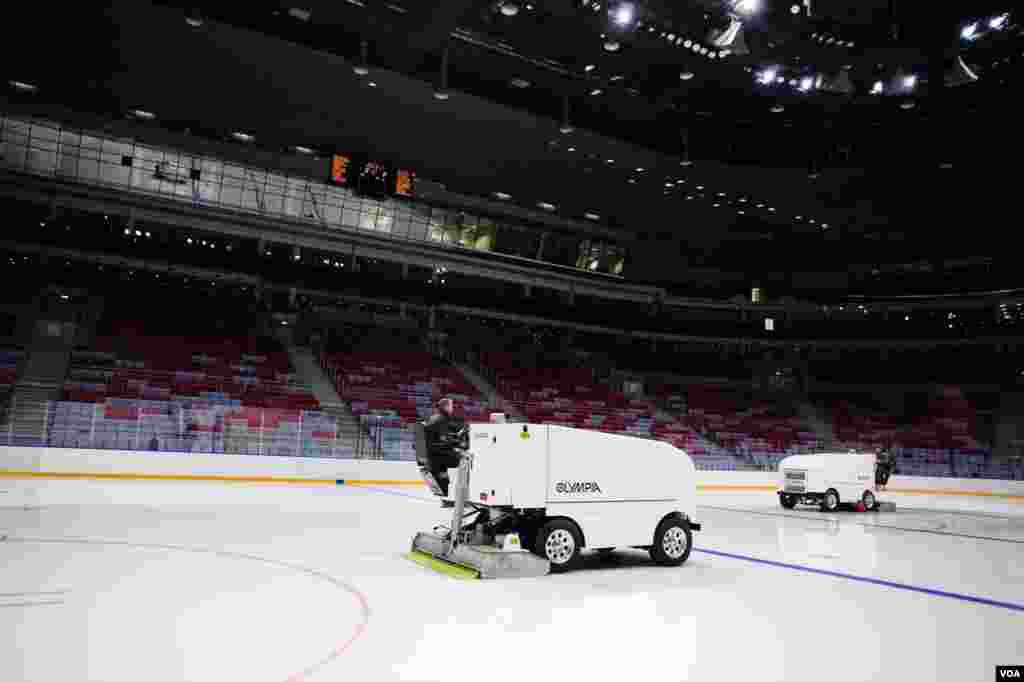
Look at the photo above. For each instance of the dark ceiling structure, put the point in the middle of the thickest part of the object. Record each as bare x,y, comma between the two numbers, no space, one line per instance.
703,119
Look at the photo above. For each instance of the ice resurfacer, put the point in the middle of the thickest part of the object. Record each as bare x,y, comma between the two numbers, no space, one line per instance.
526,499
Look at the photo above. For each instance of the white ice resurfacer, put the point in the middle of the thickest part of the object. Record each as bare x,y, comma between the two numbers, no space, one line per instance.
526,499
831,479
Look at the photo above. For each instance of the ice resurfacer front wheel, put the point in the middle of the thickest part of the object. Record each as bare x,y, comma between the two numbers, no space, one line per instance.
560,543
672,542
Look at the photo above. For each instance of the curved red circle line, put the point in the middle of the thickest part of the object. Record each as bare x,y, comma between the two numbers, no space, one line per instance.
364,605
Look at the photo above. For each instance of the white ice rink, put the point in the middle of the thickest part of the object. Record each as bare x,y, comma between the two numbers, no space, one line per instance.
167,581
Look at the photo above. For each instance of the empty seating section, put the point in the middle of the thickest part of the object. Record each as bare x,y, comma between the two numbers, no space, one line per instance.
937,434
9,360
388,391
737,425
237,396
571,397
242,371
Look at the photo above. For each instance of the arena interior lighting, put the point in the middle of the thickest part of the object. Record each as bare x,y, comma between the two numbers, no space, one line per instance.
623,14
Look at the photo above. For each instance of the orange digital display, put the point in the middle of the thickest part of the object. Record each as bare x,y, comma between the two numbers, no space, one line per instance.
404,183
339,169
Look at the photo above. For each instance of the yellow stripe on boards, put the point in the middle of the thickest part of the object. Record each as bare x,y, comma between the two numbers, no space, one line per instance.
372,482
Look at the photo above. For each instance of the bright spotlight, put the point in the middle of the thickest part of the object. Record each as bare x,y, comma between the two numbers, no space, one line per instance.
877,88
806,83
745,6
998,22
766,77
795,9
969,32
624,14
909,81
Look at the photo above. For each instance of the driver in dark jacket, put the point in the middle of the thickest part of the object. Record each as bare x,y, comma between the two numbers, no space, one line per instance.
440,431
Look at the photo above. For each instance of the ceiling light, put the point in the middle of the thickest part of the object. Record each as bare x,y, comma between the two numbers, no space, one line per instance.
909,81
596,91
908,105
372,84
969,32
360,70
242,137
139,113
624,14
441,95
592,216
998,22
795,9
686,75
519,83
766,77
611,46
639,170
502,196
696,47
572,149
609,161
688,44
304,150
806,83
565,129
589,67
23,86
509,9
877,88
778,109
685,162
546,206
745,6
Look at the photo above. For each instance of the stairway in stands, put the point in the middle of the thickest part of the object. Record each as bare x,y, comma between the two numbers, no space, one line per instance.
26,420
819,422
308,368
494,399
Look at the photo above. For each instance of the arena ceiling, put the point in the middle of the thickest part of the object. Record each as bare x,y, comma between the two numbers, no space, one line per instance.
579,106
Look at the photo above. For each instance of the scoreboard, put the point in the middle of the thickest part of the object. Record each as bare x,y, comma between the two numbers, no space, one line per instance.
371,178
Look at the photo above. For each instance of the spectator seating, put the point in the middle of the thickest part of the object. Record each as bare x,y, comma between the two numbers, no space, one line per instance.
390,390
233,372
735,424
571,397
9,360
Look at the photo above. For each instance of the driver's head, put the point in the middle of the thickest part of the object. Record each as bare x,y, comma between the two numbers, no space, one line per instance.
446,406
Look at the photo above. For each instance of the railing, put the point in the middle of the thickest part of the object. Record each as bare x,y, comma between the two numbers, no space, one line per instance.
186,426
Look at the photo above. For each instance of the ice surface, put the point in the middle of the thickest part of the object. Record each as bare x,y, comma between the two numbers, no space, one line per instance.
208,581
